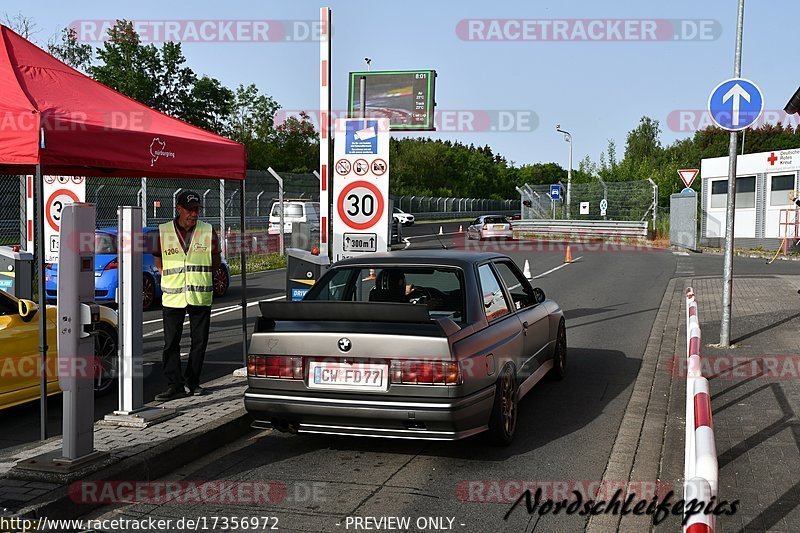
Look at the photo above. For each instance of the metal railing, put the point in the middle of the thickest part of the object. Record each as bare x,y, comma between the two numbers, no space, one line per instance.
436,207
582,228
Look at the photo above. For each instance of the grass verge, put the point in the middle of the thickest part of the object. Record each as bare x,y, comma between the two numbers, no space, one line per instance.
257,263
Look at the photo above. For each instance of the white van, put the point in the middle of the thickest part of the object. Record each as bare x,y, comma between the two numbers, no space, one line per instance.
293,211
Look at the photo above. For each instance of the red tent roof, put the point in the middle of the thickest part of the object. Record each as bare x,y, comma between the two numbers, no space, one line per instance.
91,130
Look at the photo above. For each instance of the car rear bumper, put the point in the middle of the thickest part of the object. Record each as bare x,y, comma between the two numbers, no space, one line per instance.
407,418
497,234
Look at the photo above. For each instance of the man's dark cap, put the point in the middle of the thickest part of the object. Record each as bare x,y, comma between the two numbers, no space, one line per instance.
188,199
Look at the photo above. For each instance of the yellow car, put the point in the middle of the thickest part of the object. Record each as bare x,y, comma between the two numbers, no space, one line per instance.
19,351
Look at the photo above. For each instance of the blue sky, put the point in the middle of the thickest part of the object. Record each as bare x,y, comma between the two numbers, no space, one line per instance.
596,90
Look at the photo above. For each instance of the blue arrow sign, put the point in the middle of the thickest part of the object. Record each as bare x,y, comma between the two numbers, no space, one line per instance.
555,192
735,104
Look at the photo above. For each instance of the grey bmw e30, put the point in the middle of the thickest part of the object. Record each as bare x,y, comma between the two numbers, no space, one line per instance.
427,344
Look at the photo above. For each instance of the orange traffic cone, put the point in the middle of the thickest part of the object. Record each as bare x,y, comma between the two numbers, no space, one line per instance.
568,257
460,228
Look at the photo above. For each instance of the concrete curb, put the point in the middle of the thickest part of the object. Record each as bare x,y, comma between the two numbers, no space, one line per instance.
146,465
639,446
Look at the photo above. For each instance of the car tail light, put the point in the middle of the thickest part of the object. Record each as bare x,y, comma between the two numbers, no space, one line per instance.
112,264
425,372
275,366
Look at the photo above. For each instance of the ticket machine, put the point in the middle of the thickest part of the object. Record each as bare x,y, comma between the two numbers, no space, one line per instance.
77,315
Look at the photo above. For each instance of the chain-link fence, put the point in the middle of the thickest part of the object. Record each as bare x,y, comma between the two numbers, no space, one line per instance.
221,202
624,200
439,207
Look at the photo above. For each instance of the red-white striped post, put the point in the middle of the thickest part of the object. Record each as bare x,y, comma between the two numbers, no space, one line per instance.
698,489
324,124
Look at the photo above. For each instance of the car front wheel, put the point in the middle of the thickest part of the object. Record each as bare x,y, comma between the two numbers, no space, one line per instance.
105,359
148,293
220,282
503,420
559,370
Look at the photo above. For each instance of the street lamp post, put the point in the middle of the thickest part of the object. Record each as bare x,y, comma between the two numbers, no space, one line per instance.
567,138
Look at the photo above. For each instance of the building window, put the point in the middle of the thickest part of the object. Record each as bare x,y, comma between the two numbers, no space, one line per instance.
745,193
719,191
780,188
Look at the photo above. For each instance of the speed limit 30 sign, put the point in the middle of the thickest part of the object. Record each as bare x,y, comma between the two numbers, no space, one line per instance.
58,192
360,205
361,189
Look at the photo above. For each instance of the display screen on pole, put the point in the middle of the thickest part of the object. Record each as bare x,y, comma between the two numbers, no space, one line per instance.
406,98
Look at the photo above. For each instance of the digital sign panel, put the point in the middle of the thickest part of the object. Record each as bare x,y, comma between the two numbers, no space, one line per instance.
406,98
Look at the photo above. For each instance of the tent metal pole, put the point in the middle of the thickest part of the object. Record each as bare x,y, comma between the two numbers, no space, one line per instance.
42,303
243,262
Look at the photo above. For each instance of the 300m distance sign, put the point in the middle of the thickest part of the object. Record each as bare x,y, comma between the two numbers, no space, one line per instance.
360,205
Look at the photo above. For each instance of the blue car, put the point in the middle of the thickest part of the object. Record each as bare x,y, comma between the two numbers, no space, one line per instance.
105,270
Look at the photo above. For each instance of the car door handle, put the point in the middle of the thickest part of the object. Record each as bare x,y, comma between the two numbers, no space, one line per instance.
525,324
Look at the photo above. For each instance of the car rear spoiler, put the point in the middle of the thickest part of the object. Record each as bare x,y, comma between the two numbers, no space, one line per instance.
346,311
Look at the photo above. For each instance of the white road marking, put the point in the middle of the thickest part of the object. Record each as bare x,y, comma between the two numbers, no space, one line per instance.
554,269
221,312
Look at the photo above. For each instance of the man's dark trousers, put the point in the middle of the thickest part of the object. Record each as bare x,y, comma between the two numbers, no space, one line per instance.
199,323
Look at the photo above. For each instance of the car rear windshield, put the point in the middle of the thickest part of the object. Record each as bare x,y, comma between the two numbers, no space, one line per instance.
495,220
292,210
105,243
440,288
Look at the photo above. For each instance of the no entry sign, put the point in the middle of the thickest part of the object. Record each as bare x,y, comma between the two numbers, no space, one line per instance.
361,187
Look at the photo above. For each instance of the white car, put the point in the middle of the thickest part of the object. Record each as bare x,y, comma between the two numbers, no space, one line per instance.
294,211
406,219
490,227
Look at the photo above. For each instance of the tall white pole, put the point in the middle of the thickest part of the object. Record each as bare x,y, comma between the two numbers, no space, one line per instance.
730,212
324,125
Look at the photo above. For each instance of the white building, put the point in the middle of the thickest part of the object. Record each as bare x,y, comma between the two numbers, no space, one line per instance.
763,183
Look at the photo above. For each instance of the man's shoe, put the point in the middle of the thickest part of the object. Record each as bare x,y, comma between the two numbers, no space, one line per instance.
196,391
170,394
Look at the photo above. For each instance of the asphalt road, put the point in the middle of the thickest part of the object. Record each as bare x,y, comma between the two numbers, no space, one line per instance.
566,429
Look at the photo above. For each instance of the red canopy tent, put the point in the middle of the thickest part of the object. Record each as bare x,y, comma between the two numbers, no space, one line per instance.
57,120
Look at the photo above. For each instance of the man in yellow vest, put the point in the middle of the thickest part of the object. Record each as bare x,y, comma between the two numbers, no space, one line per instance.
187,255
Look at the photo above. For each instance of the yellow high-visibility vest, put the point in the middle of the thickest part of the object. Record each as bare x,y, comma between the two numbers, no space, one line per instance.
186,277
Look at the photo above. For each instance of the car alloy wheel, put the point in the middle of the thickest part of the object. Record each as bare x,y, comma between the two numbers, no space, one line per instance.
105,359
220,282
503,420
148,292
559,370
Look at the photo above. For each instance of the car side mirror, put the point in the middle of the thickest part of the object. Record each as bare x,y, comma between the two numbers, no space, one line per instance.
538,293
27,310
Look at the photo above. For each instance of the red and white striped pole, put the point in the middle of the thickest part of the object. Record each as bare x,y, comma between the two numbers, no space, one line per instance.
324,125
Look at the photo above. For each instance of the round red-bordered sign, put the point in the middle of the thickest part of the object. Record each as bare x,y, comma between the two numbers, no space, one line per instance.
379,167
49,179
345,216
361,167
52,200
343,167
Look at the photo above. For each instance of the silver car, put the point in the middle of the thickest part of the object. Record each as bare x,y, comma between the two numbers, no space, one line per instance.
490,227
429,344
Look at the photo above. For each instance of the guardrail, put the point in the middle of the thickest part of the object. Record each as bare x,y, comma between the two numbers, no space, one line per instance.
701,469
582,228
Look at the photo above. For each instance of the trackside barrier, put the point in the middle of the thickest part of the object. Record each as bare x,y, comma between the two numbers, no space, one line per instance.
701,469
582,228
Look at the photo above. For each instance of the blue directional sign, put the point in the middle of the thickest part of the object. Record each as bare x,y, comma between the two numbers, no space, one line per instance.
555,192
735,104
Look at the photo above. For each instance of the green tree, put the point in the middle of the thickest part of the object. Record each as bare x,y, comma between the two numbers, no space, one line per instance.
66,47
128,66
